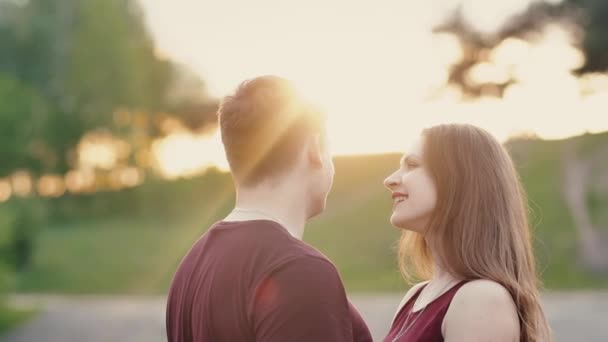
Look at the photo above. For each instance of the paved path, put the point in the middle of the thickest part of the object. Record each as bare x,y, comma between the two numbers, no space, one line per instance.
574,317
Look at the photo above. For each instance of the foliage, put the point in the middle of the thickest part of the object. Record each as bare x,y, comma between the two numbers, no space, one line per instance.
587,18
81,62
138,249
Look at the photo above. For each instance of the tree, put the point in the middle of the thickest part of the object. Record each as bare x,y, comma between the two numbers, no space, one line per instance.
589,17
85,60
24,118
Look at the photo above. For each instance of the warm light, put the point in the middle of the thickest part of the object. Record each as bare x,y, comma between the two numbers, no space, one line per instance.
79,180
160,54
594,83
170,125
382,82
448,95
448,49
140,119
144,158
185,154
94,154
51,186
122,117
131,177
594,109
22,183
558,41
487,16
510,52
551,57
5,190
125,177
488,73
101,150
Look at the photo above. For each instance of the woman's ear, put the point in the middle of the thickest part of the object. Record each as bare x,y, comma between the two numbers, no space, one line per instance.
314,152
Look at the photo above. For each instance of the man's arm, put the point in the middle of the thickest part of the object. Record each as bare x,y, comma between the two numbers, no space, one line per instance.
304,300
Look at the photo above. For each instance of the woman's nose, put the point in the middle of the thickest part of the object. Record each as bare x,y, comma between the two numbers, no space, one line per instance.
391,181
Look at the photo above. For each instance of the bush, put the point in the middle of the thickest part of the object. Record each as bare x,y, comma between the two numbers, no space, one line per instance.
19,220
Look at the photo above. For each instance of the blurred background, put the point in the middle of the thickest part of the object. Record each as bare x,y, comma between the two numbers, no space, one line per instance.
111,163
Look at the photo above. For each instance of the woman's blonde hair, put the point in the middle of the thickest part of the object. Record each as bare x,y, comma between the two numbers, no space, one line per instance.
479,228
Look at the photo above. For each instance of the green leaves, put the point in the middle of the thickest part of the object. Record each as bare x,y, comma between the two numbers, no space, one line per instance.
67,66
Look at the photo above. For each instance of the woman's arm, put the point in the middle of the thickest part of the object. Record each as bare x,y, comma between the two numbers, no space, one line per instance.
482,310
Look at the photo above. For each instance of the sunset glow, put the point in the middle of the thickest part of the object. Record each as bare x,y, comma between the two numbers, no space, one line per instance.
378,71
185,154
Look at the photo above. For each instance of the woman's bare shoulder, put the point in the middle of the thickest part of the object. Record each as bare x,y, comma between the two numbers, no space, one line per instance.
481,309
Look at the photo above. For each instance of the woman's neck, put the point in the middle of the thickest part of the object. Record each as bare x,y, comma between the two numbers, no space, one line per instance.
441,275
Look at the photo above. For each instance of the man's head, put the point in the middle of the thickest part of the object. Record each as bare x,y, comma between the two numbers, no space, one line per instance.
272,136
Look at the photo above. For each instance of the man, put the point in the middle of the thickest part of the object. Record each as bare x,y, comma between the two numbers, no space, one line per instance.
250,277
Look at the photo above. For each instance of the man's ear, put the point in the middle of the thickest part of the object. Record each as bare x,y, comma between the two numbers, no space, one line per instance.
314,153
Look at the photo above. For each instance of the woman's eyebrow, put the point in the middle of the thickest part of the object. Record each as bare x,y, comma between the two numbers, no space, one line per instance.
408,158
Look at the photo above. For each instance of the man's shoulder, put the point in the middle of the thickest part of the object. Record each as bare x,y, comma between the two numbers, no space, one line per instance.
271,237
298,254
303,249
306,274
268,244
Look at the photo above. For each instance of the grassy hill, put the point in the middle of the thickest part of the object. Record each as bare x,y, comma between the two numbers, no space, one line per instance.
137,250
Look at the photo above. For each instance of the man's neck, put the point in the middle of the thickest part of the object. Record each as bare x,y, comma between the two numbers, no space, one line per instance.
275,204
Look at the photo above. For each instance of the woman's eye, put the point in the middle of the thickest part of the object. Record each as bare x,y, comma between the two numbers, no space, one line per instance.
411,165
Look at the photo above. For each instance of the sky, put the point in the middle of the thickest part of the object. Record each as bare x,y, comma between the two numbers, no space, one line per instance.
371,66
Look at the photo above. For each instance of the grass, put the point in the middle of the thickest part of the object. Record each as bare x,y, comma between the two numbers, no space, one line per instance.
135,255
554,231
11,318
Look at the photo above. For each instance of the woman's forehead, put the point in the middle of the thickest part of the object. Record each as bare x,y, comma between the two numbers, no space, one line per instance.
414,149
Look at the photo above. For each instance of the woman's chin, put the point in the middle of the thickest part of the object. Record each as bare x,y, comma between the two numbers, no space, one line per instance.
398,223
402,224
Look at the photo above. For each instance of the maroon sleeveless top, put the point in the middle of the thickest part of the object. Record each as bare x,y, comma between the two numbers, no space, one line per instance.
427,327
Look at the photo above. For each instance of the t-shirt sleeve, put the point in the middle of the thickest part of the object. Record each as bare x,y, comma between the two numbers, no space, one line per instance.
304,300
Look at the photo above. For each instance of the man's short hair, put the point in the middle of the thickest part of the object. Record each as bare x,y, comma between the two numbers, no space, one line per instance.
264,125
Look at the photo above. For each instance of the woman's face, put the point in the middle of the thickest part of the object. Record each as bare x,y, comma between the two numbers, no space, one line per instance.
413,191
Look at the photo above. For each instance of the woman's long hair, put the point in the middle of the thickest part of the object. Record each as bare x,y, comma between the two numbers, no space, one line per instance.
479,228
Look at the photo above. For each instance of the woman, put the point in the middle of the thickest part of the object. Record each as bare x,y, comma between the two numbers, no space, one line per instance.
462,209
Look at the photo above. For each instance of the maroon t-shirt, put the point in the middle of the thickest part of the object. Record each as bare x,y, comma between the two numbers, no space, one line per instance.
252,281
